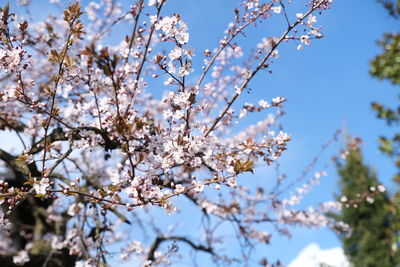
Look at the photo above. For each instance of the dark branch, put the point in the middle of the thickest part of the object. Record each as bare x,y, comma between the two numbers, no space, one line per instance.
59,135
159,240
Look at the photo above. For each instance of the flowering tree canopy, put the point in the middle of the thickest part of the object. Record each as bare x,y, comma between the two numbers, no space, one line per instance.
112,134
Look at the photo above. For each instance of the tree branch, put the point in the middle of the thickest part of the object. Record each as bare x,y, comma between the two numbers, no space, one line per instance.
159,240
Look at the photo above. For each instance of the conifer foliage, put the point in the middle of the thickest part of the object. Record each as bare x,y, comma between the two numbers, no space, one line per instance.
369,215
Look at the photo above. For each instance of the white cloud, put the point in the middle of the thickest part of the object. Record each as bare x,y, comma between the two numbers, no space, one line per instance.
314,256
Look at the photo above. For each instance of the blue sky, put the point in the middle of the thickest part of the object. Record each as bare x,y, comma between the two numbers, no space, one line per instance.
327,86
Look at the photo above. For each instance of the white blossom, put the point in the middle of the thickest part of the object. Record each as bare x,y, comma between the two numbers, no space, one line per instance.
21,257
41,186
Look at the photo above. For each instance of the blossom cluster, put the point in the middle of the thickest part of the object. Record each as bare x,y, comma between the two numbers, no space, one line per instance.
112,133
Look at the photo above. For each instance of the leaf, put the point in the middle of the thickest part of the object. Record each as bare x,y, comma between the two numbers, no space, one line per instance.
23,26
54,56
243,166
23,157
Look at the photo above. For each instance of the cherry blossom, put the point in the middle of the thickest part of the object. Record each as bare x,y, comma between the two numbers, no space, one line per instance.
117,132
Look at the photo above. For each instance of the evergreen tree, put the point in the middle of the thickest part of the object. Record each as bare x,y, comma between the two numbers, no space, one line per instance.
386,66
368,213
375,237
